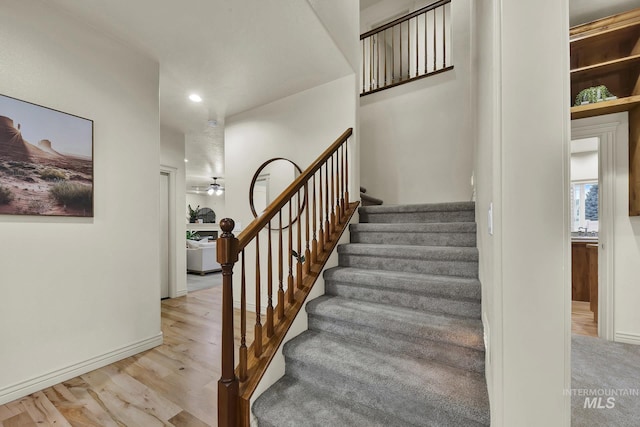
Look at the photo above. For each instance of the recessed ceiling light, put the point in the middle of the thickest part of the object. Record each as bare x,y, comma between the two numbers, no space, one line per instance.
195,97
186,160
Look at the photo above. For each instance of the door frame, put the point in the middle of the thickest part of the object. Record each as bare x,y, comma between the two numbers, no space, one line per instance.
604,128
173,278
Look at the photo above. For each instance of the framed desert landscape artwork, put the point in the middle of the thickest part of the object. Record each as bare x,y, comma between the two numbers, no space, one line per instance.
46,161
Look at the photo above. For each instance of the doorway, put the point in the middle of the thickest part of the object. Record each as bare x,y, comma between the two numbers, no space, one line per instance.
585,216
611,133
164,234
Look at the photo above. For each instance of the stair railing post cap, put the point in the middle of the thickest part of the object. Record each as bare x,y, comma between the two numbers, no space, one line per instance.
227,225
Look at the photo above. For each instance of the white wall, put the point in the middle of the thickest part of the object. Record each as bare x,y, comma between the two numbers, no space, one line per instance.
217,203
172,161
526,293
385,11
584,166
417,140
487,177
340,18
627,246
80,293
299,127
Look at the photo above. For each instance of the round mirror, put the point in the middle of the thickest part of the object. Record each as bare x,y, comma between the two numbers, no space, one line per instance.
269,181
207,215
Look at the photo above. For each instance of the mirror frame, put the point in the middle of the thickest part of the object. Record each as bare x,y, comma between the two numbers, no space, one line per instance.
253,184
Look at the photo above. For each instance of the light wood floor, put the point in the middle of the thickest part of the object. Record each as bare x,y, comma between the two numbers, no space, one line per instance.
174,384
582,319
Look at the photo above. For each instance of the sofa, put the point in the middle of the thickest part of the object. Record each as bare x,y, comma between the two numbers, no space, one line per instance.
201,257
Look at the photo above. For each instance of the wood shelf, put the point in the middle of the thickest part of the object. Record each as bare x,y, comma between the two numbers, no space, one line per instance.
605,107
581,39
612,66
607,52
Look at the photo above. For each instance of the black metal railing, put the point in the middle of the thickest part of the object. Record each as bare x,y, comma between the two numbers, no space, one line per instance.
411,47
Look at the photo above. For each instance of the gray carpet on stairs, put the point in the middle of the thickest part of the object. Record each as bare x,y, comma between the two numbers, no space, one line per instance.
426,234
397,340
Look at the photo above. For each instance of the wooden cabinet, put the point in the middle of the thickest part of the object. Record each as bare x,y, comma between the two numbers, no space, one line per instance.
579,272
584,273
607,52
592,257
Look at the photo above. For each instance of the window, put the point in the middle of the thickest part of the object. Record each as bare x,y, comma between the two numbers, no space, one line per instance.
584,205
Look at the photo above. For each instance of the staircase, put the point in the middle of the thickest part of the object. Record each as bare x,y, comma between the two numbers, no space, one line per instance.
368,200
397,340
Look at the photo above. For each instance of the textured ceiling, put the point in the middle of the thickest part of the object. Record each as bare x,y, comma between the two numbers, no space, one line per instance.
236,54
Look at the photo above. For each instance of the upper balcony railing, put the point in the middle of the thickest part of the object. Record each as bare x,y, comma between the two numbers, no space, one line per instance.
414,46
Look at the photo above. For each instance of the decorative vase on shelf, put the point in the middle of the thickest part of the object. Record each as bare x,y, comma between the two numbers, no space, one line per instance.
594,94
193,214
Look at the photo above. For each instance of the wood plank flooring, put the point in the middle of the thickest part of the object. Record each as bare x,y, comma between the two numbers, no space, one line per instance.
582,319
174,384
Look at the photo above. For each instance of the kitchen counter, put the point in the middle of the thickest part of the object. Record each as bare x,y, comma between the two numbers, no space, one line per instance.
584,239
588,239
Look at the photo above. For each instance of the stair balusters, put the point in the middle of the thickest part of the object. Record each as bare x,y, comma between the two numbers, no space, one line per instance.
407,49
311,214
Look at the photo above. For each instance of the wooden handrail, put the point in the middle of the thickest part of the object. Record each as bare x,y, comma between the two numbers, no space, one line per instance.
274,207
237,384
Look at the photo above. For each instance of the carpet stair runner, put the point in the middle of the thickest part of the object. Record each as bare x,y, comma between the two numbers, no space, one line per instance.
397,340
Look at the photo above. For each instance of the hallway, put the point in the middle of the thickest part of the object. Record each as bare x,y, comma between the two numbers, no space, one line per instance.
582,322
173,384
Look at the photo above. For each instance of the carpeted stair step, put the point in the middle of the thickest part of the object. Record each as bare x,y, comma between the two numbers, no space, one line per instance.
450,340
368,200
418,392
422,234
451,295
437,260
290,402
434,212
450,287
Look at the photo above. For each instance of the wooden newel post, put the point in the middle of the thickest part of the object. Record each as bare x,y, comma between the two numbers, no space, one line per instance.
227,254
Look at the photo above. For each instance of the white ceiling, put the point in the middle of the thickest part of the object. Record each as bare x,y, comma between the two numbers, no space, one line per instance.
236,54
582,11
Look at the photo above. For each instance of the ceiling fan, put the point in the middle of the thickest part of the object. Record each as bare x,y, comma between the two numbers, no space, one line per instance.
215,188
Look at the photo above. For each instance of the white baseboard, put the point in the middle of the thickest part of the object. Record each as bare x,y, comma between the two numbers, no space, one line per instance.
181,293
627,338
24,388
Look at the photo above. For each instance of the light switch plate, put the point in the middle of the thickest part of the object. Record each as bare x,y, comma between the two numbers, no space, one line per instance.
490,219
